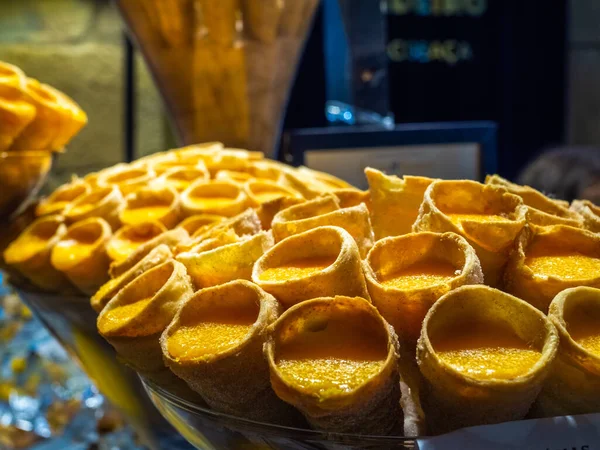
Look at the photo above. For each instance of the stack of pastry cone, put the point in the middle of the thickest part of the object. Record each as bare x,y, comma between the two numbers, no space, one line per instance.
224,68
215,343
484,355
335,359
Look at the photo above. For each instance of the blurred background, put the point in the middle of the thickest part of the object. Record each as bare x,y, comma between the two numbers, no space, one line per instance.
529,69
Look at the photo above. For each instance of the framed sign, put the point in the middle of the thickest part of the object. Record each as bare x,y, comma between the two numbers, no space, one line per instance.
459,150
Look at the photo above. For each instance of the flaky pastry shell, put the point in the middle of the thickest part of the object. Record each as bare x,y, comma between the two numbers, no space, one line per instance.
405,309
343,276
371,407
234,379
453,399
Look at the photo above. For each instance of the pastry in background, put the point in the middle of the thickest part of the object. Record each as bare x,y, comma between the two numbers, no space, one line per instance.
325,211
130,237
103,202
81,254
541,210
395,197
62,197
151,204
589,212
219,197
31,253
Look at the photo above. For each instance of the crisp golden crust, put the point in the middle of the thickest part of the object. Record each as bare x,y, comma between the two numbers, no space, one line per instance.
589,212
541,210
573,386
454,399
551,242
493,238
234,380
370,407
342,277
404,304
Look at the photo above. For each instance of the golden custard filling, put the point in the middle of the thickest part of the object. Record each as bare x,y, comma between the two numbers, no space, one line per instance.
141,214
485,351
584,328
457,219
214,331
77,245
125,243
421,275
333,361
573,266
30,244
299,268
212,202
116,317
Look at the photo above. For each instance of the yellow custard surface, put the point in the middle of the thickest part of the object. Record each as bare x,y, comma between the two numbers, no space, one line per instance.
300,268
584,328
457,219
211,203
485,351
26,247
115,318
214,332
332,362
566,266
266,196
144,214
421,275
70,252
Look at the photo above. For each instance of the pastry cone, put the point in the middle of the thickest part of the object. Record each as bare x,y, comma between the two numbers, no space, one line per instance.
314,213
226,263
407,274
81,254
219,239
181,178
151,204
244,224
30,253
268,169
352,197
128,179
223,198
488,216
263,191
541,210
103,202
215,343
267,211
547,261
156,256
395,197
308,186
61,198
206,151
171,239
232,159
15,112
590,214
484,355
320,262
194,223
74,119
134,319
130,237
49,121
232,175
335,359
573,386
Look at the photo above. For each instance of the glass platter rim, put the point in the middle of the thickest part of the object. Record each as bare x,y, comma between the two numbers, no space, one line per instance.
282,431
